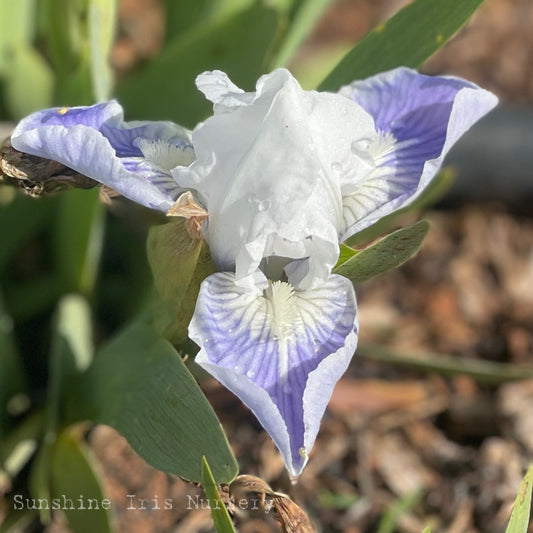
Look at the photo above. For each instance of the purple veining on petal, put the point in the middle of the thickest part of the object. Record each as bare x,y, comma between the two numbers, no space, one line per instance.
132,158
425,115
124,140
399,101
108,119
92,116
237,331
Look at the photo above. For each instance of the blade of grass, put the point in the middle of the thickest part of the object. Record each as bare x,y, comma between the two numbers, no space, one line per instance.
408,38
102,16
398,508
221,518
519,521
306,14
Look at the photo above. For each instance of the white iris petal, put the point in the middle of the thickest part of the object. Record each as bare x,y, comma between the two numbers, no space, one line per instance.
266,169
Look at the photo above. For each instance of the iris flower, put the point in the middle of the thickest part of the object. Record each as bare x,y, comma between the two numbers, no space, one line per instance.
285,175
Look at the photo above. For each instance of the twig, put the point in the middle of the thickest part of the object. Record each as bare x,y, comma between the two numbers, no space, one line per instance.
447,365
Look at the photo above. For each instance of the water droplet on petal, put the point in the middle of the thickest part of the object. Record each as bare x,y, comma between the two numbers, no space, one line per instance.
263,205
336,167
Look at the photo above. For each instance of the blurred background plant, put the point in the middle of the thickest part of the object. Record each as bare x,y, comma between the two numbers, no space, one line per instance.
403,446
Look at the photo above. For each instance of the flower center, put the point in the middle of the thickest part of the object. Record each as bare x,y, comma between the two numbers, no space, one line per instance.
273,267
281,306
164,154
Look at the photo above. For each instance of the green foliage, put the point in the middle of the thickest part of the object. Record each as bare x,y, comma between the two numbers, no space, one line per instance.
519,521
75,35
182,16
16,26
345,254
102,15
221,518
39,479
311,69
398,508
140,386
72,475
341,500
19,445
22,68
24,217
408,38
78,239
12,377
63,28
17,521
74,223
300,20
79,35
388,253
165,88
25,70
71,354
179,264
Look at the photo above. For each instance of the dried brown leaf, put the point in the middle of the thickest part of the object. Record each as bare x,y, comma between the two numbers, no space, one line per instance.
293,518
37,176
186,207
401,467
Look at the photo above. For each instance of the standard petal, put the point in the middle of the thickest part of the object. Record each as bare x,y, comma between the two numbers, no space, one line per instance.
219,89
268,179
279,350
132,158
418,119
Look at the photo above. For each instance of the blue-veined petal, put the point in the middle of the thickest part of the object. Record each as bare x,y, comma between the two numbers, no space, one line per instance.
418,118
132,158
280,350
